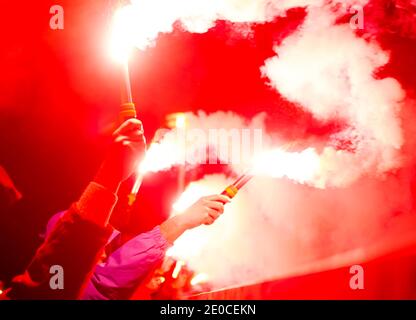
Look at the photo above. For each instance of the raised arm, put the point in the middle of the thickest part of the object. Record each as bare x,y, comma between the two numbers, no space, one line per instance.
77,239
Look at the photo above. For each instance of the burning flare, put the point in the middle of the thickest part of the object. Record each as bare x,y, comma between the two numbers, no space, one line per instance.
121,38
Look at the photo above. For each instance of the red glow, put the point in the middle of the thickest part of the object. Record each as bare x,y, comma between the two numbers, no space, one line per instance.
59,99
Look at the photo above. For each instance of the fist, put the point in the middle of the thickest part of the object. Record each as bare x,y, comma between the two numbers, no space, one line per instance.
125,153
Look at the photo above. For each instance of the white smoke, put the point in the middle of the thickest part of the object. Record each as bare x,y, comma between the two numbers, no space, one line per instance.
147,19
275,226
325,68
329,71
218,137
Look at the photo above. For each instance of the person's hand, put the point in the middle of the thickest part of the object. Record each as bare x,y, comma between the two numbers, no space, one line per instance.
126,151
205,211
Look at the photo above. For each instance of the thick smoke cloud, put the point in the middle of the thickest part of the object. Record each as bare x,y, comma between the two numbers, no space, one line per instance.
276,227
336,86
329,71
149,18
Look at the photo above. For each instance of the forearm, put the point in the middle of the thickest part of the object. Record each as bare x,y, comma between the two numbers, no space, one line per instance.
97,202
174,227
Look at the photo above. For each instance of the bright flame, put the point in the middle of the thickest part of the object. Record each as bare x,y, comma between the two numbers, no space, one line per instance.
298,166
180,121
176,120
199,278
121,41
153,17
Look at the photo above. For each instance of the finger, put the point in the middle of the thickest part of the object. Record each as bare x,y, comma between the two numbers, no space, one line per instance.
216,205
219,197
134,137
128,126
214,214
209,221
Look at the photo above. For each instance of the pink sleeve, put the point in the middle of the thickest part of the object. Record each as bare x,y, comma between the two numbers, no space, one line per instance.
125,268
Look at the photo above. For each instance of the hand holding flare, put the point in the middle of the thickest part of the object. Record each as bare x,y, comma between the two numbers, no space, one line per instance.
120,47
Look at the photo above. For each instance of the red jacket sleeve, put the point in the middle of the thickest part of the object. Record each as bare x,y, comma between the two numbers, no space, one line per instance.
74,247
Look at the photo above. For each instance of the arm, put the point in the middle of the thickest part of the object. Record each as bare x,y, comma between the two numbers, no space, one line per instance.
74,244
76,241
125,268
